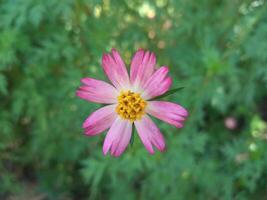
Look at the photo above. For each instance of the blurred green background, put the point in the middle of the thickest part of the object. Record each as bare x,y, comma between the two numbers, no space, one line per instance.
217,49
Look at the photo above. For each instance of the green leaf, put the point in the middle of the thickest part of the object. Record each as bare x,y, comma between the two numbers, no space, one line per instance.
170,92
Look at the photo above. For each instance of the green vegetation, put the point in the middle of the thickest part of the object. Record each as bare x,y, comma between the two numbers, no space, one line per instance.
216,49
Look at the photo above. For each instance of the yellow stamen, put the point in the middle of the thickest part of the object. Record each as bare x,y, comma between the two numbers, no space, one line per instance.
131,106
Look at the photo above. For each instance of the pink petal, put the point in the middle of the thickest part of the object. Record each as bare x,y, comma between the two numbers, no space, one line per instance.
100,120
118,137
97,91
157,84
115,69
142,67
171,113
150,134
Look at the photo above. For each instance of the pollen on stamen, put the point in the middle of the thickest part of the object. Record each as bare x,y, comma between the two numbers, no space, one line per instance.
131,106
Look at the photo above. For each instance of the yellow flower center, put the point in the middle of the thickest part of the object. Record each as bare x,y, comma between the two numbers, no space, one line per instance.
131,106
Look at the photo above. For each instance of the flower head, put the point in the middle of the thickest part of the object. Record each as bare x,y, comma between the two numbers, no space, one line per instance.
130,100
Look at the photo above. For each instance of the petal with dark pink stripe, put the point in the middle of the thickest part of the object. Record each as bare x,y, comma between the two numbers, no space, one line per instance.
142,67
115,69
150,134
157,84
100,120
118,137
97,91
171,113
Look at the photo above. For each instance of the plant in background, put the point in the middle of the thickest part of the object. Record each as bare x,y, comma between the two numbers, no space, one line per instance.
223,65
131,99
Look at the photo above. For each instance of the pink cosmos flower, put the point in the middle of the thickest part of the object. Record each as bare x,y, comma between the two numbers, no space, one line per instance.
131,102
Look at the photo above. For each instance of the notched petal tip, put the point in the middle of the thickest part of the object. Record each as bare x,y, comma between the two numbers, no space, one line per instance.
183,112
165,69
153,57
149,148
186,114
163,149
169,81
150,152
104,58
113,154
86,80
79,94
85,124
115,51
85,133
116,154
178,125
105,151
140,50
